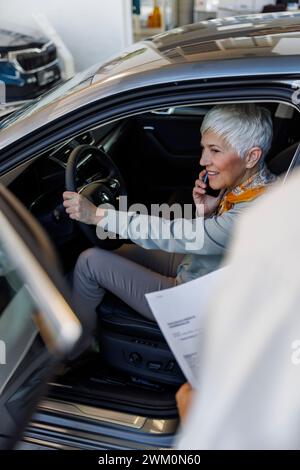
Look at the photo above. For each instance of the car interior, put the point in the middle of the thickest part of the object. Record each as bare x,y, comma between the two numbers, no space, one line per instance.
155,159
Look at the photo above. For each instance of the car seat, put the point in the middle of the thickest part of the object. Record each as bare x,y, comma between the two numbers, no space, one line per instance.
281,162
134,344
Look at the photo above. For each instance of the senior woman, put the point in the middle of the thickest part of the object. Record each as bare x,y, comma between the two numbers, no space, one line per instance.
235,140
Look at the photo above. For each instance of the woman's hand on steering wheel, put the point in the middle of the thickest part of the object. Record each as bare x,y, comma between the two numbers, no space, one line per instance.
81,209
86,208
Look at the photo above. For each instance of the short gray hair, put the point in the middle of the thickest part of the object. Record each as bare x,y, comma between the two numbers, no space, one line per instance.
243,126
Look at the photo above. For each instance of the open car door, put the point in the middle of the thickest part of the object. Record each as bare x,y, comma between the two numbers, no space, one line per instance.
38,328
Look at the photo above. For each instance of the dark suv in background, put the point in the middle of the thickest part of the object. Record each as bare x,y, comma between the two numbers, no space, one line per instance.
28,67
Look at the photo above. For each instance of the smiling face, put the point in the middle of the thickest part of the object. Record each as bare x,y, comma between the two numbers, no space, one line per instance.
226,169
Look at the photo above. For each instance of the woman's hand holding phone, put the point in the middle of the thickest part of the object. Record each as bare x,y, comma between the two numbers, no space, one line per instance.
205,204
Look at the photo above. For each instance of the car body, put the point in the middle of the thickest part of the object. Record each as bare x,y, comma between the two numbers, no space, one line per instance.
143,109
28,67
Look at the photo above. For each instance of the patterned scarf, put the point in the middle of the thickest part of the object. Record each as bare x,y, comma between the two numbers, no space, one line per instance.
247,190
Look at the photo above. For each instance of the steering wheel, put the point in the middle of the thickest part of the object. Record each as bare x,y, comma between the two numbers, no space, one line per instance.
101,191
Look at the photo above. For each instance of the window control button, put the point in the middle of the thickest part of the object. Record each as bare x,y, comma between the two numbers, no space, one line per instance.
170,366
154,365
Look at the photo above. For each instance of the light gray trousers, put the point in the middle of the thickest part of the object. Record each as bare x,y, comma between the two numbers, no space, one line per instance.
129,272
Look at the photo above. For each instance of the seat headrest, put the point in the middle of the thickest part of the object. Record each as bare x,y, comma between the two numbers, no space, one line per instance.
281,162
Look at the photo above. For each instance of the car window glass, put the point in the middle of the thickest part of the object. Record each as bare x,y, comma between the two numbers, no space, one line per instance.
17,328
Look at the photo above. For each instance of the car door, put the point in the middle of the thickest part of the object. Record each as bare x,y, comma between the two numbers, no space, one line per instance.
38,328
168,139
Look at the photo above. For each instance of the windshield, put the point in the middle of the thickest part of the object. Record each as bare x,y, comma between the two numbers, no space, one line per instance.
80,80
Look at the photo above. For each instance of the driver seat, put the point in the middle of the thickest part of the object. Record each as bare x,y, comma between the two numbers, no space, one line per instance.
135,345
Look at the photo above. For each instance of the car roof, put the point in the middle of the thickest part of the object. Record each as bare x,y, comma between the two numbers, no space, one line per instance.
247,37
229,33
242,46
240,37
246,40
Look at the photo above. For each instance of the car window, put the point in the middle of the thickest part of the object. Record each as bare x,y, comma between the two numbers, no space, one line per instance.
37,326
17,327
25,361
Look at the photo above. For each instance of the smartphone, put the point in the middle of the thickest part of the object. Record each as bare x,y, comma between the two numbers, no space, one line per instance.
209,190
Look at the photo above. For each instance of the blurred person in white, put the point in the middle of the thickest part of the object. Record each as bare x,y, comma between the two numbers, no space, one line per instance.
249,380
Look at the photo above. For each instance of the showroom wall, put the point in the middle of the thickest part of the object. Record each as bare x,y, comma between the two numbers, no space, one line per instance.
93,30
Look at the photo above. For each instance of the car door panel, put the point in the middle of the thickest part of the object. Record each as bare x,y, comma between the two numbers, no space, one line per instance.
35,318
167,151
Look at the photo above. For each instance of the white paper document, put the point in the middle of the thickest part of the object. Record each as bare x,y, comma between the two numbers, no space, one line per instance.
180,313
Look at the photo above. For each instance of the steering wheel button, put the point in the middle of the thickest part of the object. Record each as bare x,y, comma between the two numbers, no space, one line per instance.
114,184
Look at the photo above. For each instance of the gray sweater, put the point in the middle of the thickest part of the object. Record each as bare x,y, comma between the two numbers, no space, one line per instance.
204,241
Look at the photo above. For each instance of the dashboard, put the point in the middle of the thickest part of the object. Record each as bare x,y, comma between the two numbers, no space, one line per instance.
41,185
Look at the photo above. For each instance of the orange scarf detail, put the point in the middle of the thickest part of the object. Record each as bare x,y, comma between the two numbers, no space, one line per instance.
230,199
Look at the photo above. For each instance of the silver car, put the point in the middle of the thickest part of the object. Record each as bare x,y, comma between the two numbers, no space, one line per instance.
134,122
